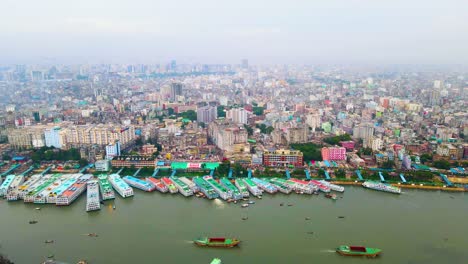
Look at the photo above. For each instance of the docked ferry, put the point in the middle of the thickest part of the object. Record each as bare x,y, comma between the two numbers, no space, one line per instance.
105,188
6,184
266,186
74,191
158,184
235,193
190,184
120,186
70,180
379,186
23,189
303,186
41,197
252,187
170,185
223,192
322,187
12,192
139,184
205,188
183,188
333,187
239,183
92,196
40,186
280,186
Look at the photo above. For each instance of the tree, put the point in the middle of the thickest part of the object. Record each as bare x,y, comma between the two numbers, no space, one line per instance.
426,157
336,139
189,114
170,111
139,142
388,164
220,110
340,173
442,164
249,130
5,260
258,110
310,151
6,157
202,125
83,162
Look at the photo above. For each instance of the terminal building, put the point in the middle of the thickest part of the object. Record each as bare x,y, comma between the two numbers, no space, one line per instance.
283,158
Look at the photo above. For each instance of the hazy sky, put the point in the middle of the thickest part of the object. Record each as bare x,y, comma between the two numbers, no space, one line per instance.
223,31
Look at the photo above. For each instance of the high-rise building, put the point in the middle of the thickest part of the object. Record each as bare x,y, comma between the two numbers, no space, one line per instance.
237,115
283,158
53,137
176,90
113,150
207,114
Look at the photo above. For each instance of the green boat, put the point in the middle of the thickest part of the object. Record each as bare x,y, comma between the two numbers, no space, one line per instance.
358,251
216,242
216,261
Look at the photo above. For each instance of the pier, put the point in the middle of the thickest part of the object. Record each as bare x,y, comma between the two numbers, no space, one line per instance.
402,177
27,171
136,172
382,179
11,169
230,173
249,173
307,173
46,170
327,176
446,180
358,174
156,170
173,173
288,175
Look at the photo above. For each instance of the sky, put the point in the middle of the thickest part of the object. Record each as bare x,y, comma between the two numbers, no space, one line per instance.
222,31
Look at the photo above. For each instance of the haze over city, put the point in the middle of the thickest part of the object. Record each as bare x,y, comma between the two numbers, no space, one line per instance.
266,32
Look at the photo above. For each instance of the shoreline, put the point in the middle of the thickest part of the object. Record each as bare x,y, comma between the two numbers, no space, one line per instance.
410,186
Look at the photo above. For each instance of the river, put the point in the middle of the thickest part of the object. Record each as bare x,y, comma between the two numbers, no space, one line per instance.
414,227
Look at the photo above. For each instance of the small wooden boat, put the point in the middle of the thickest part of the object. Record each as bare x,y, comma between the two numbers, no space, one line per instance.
331,196
251,202
245,205
358,251
216,261
216,242
49,241
82,262
33,222
37,208
113,207
92,235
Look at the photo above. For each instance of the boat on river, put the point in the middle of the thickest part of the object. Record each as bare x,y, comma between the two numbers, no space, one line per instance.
379,186
170,185
216,242
242,188
159,185
358,251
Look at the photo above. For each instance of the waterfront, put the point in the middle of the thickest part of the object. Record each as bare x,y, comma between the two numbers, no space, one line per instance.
415,227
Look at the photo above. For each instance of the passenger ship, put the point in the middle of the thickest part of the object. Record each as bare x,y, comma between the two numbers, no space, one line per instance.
236,194
381,187
139,184
120,186
23,189
190,184
170,185
158,184
239,183
74,191
266,186
252,187
12,192
333,187
182,187
68,181
205,188
105,188
223,192
92,196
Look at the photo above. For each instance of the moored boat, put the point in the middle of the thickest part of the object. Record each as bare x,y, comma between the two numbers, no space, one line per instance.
120,186
182,187
216,242
160,186
169,184
205,188
92,196
358,251
239,183
74,191
379,186
333,187
12,192
266,186
190,184
235,193
321,187
105,188
252,187
139,184
223,192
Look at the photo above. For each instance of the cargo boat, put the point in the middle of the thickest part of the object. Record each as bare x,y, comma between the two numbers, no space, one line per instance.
105,188
190,184
252,187
39,186
224,193
12,192
139,184
378,186
170,185
303,186
281,187
6,184
235,193
266,186
358,251
205,188
182,187
158,184
69,181
74,191
92,196
321,187
216,242
242,188
23,189
333,187
120,186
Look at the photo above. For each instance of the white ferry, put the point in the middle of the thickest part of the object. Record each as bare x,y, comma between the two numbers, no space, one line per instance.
190,184
12,192
381,187
139,184
120,186
74,191
333,187
92,196
183,188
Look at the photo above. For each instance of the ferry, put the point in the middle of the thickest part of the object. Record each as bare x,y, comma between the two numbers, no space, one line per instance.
39,186
182,187
69,182
74,191
205,188
235,193
333,187
41,197
139,184
6,184
158,184
242,188
170,185
381,187
190,184
22,190
12,192
224,193
303,186
120,186
322,187
105,188
252,187
92,196
286,189
266,186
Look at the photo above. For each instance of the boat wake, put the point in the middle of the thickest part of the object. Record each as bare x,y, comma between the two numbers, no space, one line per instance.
187,241
327,251
219,204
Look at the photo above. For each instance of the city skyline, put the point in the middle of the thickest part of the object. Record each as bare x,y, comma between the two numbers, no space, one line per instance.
301,32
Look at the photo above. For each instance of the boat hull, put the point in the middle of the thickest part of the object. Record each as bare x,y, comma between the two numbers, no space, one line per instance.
217,245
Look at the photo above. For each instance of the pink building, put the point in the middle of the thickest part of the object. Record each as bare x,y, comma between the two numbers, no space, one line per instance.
334,153
348,145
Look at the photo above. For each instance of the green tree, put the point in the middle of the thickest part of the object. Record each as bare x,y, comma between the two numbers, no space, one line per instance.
189,114
425,157
139,142
442,164
340,173
388,164
336,139
249,130
258,110
311,151
6,157
5,260
221,112
83,162
170,111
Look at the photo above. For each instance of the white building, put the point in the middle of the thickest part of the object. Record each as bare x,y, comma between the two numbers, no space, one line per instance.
237,115
112,150
102,165
207,114
377,144
52,137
